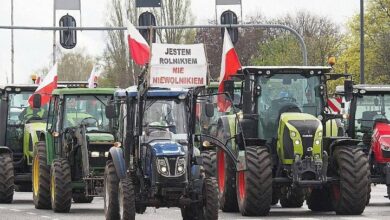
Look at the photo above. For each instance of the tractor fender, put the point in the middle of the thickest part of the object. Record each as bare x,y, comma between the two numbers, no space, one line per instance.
343,142
5,150
116,155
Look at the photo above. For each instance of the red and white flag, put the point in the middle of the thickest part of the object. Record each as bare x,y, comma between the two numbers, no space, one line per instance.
93,76
139,48
230,64
46,87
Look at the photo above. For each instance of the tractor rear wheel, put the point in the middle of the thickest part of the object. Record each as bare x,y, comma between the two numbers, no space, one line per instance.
61,186
7,185
119,199
226,174
81,198
210,163
319,200
41,177
349,195
254,186
292,198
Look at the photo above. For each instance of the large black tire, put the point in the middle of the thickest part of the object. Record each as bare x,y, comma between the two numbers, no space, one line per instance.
41,177
81,198
208,209
226,175
7,185
349,195
114,190
319,200
254,186
61,186
210,163
292,198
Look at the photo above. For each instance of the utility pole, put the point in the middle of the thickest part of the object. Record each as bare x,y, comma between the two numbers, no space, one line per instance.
362,81
12,42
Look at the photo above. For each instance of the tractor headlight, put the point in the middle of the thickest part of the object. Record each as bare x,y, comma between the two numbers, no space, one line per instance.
320,134
162,166
95,154
385,147
317,142
180,166
296,142
293,134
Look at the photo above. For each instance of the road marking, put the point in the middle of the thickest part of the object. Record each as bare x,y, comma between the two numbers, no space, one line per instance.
31,213
2,207
44,216
15,210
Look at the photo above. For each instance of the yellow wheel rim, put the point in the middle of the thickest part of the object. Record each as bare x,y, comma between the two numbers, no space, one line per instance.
52,187
36,175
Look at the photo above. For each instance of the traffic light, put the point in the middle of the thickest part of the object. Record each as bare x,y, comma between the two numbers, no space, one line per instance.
68,38
147,19
229,17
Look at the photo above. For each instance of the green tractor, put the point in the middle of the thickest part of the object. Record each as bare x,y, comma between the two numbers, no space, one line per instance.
70,156
284,121
20,127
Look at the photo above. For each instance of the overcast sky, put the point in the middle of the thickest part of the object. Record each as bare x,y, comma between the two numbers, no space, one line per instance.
33,48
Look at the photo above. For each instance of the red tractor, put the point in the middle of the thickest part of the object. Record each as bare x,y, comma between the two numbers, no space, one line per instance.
369,121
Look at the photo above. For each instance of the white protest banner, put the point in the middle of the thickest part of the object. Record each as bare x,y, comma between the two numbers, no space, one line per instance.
178,65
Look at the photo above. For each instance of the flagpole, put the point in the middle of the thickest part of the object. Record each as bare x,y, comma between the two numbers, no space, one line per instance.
12,43
242,18
216,13
54,32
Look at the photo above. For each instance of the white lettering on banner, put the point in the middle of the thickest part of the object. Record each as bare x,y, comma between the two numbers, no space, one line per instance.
178,65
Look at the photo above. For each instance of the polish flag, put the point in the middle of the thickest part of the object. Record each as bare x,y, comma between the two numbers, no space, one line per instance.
46,87
93,77
139,48
230,64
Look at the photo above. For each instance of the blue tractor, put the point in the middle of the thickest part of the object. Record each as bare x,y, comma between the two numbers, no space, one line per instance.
154,162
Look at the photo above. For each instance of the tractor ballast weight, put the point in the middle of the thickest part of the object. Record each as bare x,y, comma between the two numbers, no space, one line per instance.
284,116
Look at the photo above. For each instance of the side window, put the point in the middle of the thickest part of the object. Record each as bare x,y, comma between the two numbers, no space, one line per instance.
53,111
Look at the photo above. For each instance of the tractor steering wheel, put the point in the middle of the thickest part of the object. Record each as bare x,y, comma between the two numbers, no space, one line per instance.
90,123
286,99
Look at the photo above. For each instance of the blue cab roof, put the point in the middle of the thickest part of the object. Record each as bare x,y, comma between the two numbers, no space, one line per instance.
152,92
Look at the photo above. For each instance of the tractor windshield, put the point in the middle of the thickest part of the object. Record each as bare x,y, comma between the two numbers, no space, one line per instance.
20,113
88,110
368,109
285,93
163,119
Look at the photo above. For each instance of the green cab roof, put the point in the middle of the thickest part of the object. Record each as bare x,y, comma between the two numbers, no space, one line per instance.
84,91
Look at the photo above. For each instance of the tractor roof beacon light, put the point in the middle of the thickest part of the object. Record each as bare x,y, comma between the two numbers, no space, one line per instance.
147,19
229,17
68,38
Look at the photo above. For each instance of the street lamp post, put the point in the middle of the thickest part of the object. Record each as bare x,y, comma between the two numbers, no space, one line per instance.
362,81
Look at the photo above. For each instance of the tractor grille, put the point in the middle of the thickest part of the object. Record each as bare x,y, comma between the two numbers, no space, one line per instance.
307,130
288,147
172,165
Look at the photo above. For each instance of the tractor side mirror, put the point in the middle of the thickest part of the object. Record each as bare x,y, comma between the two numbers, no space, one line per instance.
37,98
348,89
209,109
228,86
110,111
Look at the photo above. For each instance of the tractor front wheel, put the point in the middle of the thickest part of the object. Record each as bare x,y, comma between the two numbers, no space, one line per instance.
226,183
6,178
119,198
41,177
349,195
61,186
254,186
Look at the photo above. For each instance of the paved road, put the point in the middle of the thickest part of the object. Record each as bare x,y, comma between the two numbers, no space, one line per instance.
23,209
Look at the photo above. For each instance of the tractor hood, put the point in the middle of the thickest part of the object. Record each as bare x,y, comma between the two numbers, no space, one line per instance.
100,137
382,128
167,148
